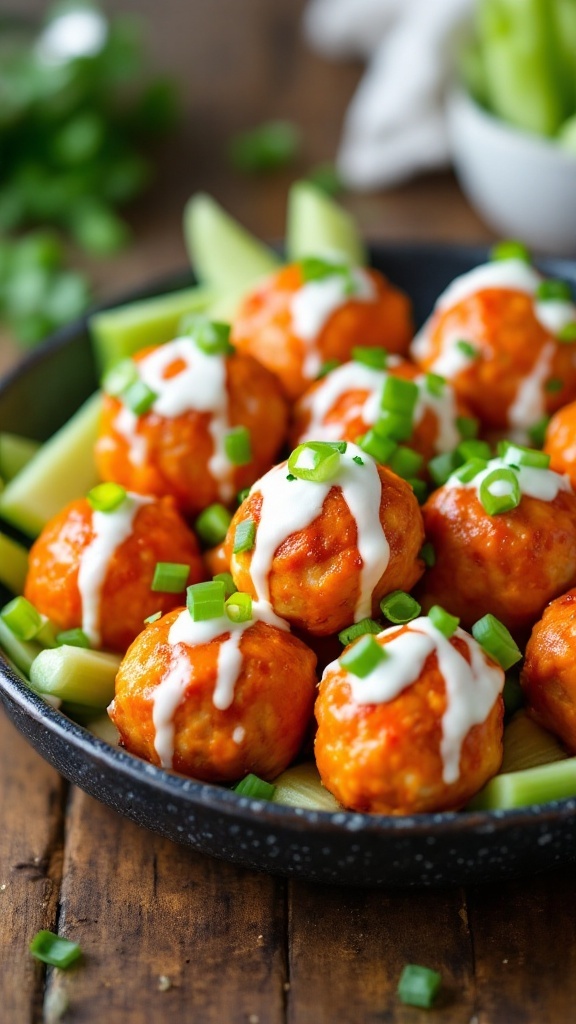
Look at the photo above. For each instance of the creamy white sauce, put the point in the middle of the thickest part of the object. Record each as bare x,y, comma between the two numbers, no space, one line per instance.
289,506
556,314
513,275
544,484
239,734
110,530
199,386
471,689
529,405
315,302
444,408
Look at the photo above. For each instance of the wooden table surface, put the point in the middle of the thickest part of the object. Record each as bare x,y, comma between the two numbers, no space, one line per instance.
167,934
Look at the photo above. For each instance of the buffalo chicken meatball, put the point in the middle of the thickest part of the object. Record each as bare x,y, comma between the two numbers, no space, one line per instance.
409,721
504,538
324,550
560,441
215,699
94,570
311,312
548,676
501,343
195,424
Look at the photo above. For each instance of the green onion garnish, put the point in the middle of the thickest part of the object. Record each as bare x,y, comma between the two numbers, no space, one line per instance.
400,607
317,461
138,397
73,638
239,607
537,432
358,460
442,621
467,427
395,425
420,489
553,291
435,384
376,358
205,600
518,455
399,396
327,367
405,462
428,555
500,492
512,694
226,579
170,577
242,495
553,385
22,618
244,536
418,986
346,636
467,348
315,268
212,524
238,446
510,250
473,449
106,497
255,788
470,470
380,448
120,377
210,336
493,636
54,950
567,333
153,618
442,466
290,477
363,657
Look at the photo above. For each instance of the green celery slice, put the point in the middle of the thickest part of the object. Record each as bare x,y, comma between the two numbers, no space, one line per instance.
13,564
15,453
76,675
530,786
21,652
300,786
317,226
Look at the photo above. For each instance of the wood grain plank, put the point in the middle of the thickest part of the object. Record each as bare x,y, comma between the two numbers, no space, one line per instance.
145,910
524,936
348,948
31,810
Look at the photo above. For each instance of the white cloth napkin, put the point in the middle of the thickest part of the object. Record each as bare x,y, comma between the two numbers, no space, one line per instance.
394,126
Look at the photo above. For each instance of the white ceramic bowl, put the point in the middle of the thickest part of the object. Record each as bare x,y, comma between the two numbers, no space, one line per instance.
523,186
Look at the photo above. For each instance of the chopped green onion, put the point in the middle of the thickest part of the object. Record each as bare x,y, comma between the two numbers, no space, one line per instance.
553,291
205,600
170,577
470,470
339,446
467,348
442,621
363,657
290,476
138,397
255,788
510,250
537,432
518,455
54,950
242,495
346,636
435,384
376,358
553,385
212,524
512,694
327,367
442,466
420,489
394,425
500,492
106,497
73,638
399,396
474,449
405,462
238,446
567,333
400,607
244,536
358,460
315,268
467,427
380,448
226,579
239,607
22,618
211,336
317,461
493,636
419,986
428,555
267,147
120,377
153,618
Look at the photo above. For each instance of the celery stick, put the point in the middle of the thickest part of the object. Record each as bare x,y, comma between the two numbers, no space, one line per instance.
104,729
62,469
15,453
300,786
21,652
317,226
76,675
527,744
223,254
530,786
13,564
119,333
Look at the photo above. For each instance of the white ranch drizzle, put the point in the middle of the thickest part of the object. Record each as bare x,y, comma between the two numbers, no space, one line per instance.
291,505
315,302
471,688
534,482
200,385
529,405
110,530
186,632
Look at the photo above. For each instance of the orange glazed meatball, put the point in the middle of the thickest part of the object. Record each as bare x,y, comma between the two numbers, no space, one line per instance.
511,562
193,424
324,553
549,674
560,441
421,731
300,318
94,570
215,699
501,345
346,403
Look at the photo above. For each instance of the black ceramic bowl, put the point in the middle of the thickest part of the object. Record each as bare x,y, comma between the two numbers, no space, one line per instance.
424,850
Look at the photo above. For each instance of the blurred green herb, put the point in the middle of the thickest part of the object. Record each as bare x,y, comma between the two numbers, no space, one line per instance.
77,120
270,146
